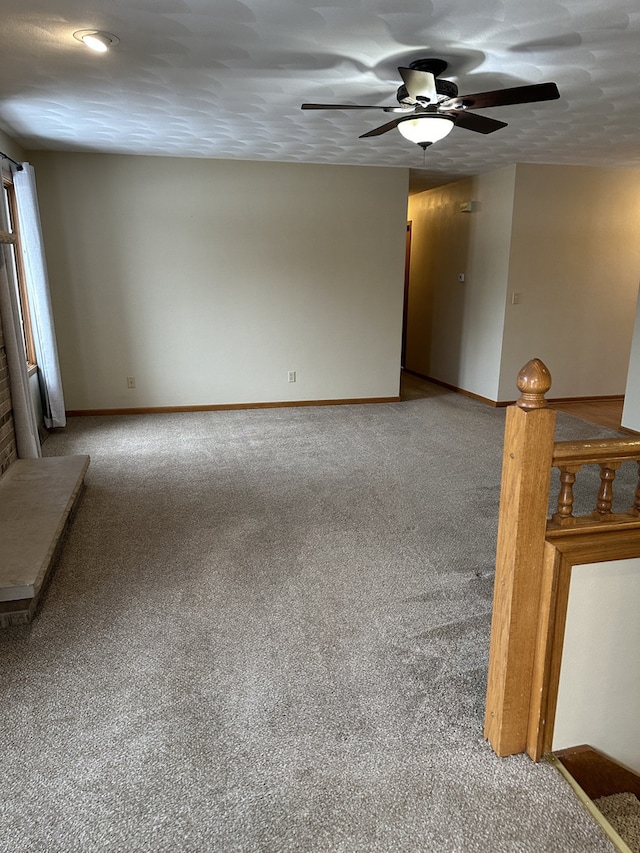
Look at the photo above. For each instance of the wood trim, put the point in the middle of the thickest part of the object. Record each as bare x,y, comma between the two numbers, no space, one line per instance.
595,450
603,398
499,404
29,344
561,555
458,390
552,618
585,524
587,802
598,774
621,543
227,407
407,281
534,565
524,494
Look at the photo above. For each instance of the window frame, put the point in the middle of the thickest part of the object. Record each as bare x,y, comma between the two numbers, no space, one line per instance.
23,296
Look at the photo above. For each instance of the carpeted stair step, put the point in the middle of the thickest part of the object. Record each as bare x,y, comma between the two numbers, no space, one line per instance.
623,813
613,788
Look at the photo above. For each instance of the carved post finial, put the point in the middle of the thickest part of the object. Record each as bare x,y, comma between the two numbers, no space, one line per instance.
534,380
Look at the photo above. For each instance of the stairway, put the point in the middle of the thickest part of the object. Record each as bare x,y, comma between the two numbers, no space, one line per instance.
612,789
623,813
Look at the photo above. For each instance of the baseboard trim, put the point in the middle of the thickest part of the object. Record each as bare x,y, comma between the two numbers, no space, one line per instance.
597,773
455,388
588,803
227,407
603,398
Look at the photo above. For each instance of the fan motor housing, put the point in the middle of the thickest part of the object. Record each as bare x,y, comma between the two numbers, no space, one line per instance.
434,66
443,87
431,64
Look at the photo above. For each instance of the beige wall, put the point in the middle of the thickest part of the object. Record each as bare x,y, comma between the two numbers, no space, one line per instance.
455,328
575,259
631,410
209,280
439,250
11,148
567,239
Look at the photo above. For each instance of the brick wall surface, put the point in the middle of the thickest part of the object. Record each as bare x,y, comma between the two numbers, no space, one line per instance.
8,452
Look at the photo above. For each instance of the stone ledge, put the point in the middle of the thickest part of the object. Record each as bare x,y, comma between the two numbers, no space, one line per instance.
36,500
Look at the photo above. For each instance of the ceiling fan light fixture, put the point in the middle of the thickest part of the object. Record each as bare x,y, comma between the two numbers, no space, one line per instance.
96,40
425,130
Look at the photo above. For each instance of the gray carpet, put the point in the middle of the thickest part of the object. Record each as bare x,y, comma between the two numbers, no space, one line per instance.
268,631
623,813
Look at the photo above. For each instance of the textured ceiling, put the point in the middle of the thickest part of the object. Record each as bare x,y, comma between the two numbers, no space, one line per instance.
225,79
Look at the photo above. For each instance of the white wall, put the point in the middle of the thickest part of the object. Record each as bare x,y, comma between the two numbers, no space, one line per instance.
208,280
575,260
631,410
455,329
439,248
486,282
567,239
599,692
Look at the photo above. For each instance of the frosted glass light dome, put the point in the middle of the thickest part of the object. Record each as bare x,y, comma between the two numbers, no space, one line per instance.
425,130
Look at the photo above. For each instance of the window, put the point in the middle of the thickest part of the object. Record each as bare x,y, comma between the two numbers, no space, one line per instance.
9,200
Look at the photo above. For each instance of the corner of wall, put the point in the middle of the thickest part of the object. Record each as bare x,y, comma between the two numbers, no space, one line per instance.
631,410
11,148
574,264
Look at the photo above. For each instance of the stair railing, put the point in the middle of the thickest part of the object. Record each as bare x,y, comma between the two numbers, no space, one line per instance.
535,557
609,453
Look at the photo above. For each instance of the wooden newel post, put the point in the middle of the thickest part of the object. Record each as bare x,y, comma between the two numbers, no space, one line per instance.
524,498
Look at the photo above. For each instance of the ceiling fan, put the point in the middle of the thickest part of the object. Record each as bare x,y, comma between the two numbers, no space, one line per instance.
431,107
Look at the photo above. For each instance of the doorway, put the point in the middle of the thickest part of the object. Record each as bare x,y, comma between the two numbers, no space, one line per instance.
405,306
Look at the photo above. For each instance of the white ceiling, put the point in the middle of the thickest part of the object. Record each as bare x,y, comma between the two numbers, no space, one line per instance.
225,79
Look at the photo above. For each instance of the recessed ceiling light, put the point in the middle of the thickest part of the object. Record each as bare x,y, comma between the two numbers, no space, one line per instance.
96,39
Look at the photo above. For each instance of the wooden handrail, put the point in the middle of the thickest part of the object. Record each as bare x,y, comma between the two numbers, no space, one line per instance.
534,559
609,453
595,451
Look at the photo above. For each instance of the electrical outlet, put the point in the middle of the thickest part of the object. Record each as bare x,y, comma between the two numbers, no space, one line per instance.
515,298
291,376
131,382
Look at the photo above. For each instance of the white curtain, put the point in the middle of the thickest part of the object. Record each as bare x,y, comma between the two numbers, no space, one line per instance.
35,269
24,419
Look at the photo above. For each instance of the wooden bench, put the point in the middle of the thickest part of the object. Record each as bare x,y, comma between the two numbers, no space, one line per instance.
37,497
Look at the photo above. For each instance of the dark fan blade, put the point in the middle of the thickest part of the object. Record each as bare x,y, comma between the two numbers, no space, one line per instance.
382,129
420,84
473,121
341,107
504,97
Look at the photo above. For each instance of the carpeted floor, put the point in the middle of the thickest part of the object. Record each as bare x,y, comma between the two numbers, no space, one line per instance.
623,813
268,631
